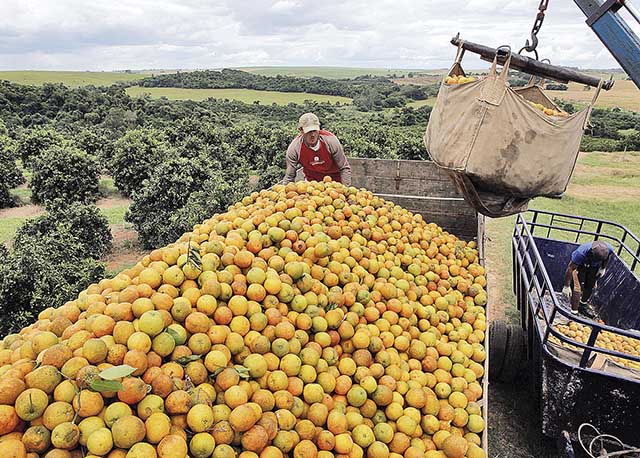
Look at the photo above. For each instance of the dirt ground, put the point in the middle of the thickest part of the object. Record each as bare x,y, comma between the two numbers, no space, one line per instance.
514,428
126,249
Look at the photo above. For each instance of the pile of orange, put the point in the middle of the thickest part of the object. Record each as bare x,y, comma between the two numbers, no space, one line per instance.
312,320
611,341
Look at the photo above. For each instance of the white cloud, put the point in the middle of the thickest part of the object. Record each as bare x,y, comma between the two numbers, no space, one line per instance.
137,34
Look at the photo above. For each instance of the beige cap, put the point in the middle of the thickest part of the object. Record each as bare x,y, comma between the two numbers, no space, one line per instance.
309,122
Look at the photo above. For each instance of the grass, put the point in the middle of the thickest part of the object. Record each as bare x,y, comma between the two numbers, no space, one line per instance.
627,132
420,103
327,72
23,194
628,161
242,95
72,79
624,94
594,170
115,215
107,188
8,228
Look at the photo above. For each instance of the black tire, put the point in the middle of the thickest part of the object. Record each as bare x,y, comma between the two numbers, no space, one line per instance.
498,336
514,354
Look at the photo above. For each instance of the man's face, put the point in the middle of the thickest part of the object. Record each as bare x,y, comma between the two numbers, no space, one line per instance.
311,137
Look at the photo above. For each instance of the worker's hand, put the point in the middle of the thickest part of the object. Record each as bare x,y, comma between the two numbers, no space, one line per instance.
567,291
600,272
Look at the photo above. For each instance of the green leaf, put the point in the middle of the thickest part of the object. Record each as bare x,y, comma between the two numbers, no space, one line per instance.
173,334
187,359
215,373
193,256
117,372
102,386
243,372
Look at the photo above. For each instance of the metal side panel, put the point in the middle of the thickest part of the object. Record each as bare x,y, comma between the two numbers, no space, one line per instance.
572,396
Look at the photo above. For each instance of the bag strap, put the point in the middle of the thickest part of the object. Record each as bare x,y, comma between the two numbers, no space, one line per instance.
542,81
532,82
456,67
459,53
505,68
592,104
495,86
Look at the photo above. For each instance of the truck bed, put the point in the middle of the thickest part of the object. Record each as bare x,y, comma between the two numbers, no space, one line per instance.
578,375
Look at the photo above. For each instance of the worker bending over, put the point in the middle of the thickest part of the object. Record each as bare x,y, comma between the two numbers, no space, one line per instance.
318,152
588,263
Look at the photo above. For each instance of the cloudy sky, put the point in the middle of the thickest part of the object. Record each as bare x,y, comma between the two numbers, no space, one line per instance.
153,34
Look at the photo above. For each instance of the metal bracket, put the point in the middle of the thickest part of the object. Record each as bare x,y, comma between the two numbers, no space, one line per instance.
609,5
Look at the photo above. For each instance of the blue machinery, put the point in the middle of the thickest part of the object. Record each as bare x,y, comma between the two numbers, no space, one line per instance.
614,32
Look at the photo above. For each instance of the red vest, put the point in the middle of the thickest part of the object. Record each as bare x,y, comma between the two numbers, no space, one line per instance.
318,164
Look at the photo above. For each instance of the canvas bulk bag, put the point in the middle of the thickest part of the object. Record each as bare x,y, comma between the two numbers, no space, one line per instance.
499,150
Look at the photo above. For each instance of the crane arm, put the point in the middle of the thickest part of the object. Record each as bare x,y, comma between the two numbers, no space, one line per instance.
611,28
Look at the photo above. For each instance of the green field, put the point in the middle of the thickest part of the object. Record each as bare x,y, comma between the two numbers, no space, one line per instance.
71,79
327,72
420,103
242,95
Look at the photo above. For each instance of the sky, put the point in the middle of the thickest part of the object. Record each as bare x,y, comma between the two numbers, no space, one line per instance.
196,34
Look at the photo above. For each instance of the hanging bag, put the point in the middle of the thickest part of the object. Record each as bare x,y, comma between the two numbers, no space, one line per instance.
499,148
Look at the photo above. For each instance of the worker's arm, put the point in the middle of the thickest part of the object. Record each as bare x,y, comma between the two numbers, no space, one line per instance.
337,153
292,159
569,273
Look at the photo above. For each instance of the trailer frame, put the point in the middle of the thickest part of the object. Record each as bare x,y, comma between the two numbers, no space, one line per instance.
571,391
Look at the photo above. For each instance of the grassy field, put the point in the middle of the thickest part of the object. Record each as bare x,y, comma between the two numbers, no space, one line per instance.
242,95
604,185
624,94
72,79
420,103
327,72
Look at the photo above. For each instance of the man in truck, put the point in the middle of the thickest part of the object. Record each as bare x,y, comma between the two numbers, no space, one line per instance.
588,263
318,152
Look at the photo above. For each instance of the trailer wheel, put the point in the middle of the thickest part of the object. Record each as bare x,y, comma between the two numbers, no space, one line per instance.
498,336
513,356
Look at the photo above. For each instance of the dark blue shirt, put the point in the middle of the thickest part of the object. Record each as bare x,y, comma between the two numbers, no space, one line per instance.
583,256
